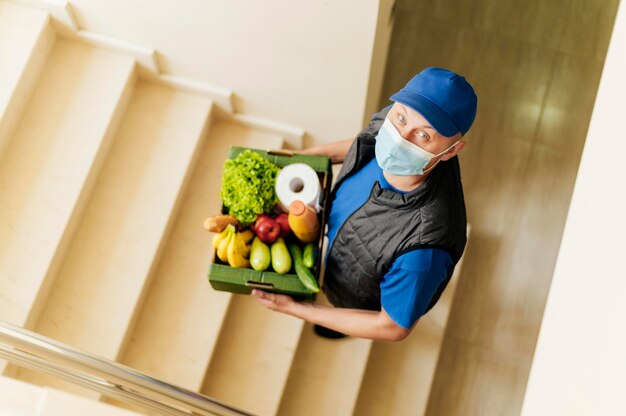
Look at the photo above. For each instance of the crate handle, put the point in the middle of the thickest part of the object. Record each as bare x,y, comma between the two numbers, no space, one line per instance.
278,152
259,285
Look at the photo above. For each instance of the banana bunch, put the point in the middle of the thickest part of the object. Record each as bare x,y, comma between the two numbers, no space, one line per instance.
233,247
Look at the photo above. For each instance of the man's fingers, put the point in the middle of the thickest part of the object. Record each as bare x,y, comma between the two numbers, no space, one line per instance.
260,294
265,298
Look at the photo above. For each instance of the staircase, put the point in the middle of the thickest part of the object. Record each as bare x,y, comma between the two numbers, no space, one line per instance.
19,398
106,175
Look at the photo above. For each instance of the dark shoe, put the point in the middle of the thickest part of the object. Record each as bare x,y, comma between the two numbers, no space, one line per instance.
324,332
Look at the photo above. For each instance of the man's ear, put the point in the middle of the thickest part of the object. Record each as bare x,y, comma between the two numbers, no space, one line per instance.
455,150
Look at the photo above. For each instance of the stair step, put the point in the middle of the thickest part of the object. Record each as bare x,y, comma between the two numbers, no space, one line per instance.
49,167
179,324
325,376
26,39
100,285
18,398
251,362
399,376
59,403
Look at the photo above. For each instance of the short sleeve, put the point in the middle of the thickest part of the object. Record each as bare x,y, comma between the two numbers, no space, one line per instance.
411,282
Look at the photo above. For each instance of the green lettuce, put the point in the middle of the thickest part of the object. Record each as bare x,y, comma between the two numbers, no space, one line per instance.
249,186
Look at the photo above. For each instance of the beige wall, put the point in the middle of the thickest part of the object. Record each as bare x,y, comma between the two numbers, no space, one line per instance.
384,28
579,366
304,63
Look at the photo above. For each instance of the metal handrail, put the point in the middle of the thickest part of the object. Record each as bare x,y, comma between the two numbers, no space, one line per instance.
31,350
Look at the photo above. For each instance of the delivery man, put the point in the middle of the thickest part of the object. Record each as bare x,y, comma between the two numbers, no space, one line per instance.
397,224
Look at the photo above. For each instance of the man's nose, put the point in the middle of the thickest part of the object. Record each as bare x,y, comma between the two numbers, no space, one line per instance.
405,132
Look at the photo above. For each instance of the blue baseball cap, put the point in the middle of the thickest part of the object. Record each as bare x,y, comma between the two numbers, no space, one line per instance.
444,98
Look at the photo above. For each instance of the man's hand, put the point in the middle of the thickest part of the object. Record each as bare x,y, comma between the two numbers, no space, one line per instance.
336,151
275,301
376,325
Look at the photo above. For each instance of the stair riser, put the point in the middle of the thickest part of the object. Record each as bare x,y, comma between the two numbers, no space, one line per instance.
10,117
79,209
184,185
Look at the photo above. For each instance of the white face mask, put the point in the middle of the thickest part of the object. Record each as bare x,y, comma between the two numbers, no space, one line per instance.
399,156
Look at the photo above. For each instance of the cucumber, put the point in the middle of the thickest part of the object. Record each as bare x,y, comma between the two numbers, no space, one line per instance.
309,255
281,261
304,274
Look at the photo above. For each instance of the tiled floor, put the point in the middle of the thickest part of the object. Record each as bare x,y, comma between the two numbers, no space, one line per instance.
535,66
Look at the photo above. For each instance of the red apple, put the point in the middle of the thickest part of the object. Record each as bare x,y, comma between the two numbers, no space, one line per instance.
268,230
259,219
283,220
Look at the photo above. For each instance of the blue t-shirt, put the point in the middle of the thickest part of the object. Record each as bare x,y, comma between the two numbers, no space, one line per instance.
408,287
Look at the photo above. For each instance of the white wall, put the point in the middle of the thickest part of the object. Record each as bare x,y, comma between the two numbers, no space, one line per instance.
580,360
300,62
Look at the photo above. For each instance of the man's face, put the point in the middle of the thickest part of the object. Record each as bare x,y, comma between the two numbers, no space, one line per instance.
416,129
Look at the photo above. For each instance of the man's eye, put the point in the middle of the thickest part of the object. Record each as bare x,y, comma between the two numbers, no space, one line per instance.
402,119
422,135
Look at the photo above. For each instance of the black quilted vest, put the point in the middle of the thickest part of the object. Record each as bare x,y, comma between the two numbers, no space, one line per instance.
390,224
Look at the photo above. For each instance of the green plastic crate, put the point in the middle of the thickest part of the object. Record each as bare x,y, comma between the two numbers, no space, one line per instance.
225,278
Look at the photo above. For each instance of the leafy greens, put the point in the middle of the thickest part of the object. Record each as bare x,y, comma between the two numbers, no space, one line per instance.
248,186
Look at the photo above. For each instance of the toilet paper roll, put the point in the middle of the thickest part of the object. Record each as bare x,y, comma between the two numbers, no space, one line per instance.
298,181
